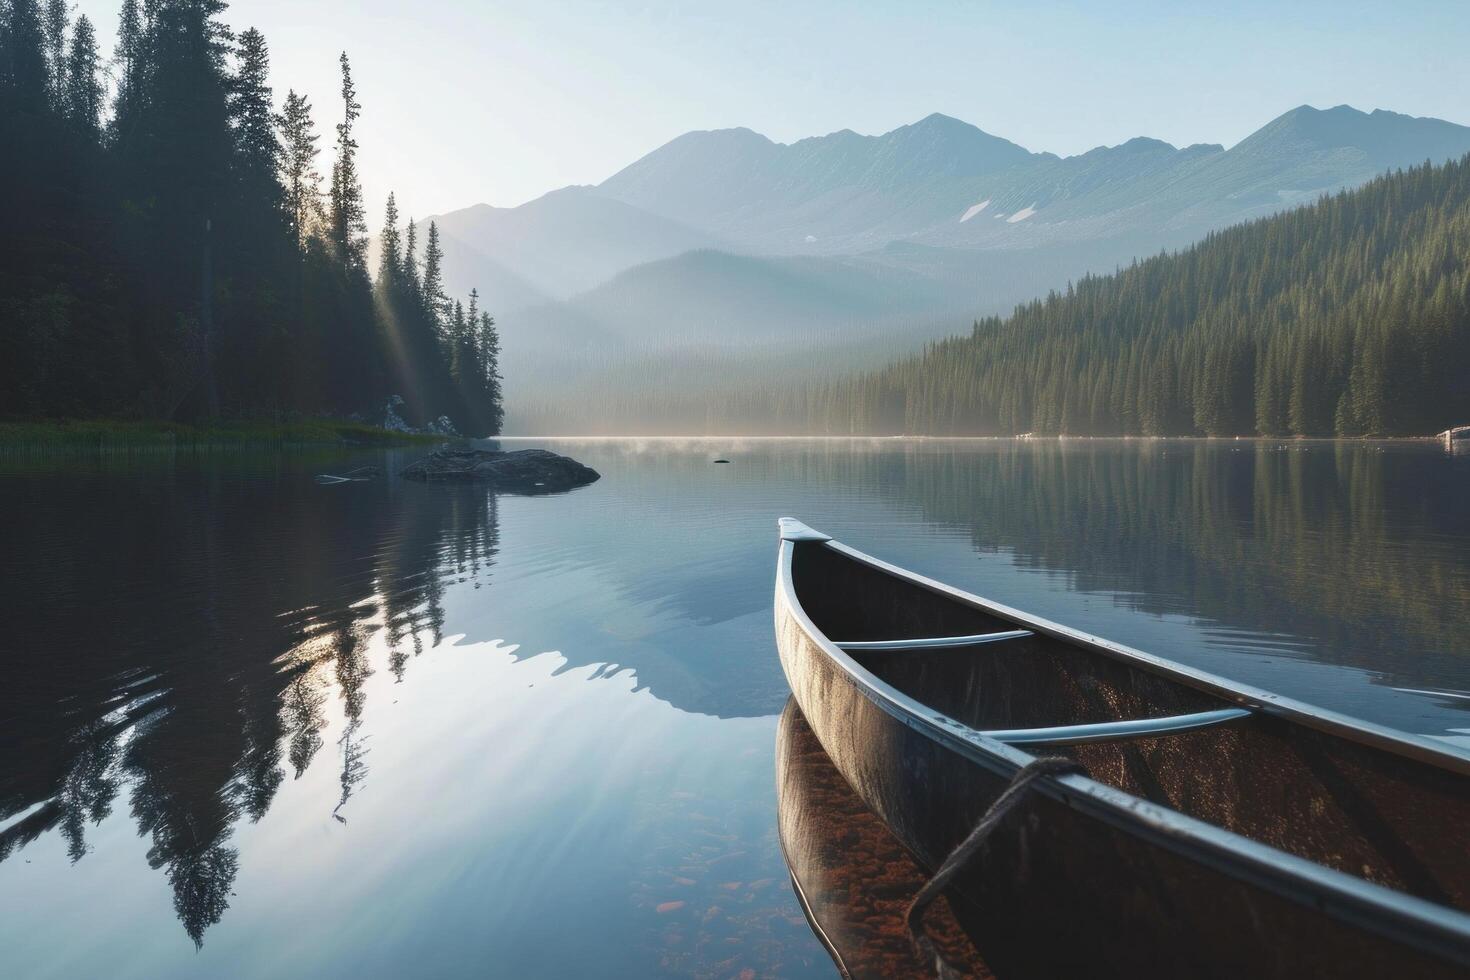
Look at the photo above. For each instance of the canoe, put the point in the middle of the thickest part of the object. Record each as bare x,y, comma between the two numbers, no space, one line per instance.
1217,830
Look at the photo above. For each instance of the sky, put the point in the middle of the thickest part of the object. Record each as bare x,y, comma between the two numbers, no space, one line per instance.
500,101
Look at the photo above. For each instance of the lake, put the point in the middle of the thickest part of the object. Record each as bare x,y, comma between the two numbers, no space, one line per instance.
254,726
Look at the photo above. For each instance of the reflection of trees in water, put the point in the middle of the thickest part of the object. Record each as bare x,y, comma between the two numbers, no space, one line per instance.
1352,547
89,788
303,719
354,769
202,669
1342,544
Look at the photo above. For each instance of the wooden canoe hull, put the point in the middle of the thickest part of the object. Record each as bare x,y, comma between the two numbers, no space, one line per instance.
1081,879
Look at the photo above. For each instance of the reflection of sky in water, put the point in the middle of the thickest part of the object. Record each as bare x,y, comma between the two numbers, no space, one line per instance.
516,819
577,779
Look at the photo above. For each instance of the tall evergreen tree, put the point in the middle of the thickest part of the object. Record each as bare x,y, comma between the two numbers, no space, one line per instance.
456,328
298,166
127,59
54,25
257,147
23,60
348,218
83,101
489,347
411,283
390,253
436,304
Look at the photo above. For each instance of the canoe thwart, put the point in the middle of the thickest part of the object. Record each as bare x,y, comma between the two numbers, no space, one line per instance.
1114,730
794,530
934,642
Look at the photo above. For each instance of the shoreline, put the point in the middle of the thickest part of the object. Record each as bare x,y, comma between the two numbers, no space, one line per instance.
116,435
572,437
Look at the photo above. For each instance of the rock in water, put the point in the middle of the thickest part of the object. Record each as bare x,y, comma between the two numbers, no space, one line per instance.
392,420
525,471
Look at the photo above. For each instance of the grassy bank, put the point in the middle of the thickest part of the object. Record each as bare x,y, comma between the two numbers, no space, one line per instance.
110,435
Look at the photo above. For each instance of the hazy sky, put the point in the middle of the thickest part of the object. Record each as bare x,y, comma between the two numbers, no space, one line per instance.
502,100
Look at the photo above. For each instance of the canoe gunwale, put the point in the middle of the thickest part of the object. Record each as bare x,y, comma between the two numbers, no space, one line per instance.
1373,907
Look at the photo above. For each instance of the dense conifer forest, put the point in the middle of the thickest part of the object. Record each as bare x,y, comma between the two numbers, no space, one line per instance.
1347,317
169,251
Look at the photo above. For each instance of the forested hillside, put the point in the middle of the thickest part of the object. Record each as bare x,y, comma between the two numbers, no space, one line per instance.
1350,316
168,249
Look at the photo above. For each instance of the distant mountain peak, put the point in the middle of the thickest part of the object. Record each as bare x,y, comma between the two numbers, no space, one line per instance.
1138,144
940,145
1383,139
742,135
1147,143
939,125
939,119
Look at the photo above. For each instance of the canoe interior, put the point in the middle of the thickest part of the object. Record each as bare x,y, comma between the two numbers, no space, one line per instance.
1366,811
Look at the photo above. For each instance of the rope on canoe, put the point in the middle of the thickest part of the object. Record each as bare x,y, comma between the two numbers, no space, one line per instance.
1054,765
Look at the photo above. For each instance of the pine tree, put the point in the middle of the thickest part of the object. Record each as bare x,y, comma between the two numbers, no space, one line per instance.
456,328
436,304
177,163
298,167
127,59
489,347
348,224
83,99
411,263
390,257
469,345
54,25
257,147
23,60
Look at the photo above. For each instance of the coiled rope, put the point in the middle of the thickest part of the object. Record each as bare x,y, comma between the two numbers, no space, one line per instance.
1054,765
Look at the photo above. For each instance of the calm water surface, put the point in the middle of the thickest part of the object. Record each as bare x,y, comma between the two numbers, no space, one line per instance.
253,726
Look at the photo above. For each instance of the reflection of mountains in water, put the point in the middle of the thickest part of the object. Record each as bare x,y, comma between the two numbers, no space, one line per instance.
1340,552
177,634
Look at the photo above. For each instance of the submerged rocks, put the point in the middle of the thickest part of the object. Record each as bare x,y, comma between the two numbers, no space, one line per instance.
524,471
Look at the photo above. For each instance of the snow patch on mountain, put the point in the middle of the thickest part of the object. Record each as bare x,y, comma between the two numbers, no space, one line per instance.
974,210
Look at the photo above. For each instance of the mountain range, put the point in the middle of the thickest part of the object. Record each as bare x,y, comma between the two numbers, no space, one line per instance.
726,237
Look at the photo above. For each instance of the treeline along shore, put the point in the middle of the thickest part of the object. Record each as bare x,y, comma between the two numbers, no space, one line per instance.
173,251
